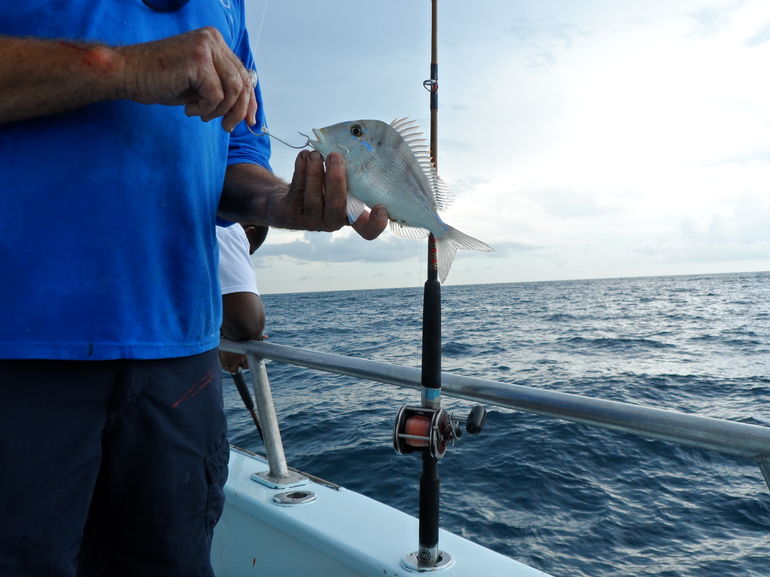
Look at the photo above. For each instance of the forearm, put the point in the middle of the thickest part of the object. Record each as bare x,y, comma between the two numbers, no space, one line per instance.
243,316
252,194
195,69
40,77
315,200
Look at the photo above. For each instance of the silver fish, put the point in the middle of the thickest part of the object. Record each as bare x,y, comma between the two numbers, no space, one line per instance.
389,164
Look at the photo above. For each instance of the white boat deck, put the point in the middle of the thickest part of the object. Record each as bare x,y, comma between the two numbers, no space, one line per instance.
341,533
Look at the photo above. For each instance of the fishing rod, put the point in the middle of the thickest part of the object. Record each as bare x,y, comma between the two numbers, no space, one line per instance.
424,429
428,554
429,429
243,391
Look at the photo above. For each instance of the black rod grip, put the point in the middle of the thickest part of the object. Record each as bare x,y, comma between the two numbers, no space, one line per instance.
429,501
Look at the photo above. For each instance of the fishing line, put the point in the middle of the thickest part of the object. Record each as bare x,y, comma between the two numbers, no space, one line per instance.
263,131
255,44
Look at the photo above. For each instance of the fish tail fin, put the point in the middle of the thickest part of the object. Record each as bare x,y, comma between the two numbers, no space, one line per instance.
447,246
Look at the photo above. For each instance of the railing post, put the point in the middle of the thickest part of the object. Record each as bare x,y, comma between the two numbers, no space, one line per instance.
279,474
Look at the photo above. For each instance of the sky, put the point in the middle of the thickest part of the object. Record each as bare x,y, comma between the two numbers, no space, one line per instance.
581,139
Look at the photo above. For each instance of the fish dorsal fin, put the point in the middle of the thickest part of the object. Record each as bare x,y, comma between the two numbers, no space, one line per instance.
405,231
413,136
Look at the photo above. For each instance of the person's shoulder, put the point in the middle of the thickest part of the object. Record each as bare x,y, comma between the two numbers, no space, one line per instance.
234,230
232,236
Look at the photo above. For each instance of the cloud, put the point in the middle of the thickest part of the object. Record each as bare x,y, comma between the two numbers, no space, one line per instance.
755,155
336,249
743,221
544,39
468,184
762,36
711,20
566,203
509,248
339,248
736,232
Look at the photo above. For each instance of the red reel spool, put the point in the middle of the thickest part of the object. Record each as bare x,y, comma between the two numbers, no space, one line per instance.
422,429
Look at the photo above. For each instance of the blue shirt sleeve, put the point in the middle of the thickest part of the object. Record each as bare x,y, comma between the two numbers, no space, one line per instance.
245,146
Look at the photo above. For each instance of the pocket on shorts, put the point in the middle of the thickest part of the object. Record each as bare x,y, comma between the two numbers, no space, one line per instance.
216,476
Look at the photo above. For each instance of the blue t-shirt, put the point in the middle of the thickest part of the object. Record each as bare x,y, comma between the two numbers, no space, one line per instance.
107,213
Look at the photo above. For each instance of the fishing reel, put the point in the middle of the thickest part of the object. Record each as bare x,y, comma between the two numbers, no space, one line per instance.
430,430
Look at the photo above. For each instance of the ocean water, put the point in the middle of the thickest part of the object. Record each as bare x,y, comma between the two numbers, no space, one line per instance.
569,499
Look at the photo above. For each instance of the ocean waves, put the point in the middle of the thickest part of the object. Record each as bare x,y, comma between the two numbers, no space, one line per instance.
569,499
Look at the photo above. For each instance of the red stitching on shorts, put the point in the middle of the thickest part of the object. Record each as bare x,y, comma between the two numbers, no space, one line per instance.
195,389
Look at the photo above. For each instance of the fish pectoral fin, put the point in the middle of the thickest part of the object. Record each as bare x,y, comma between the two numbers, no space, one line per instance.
355,208
405,231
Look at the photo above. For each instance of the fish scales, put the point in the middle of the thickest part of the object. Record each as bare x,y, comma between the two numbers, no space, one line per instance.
389,164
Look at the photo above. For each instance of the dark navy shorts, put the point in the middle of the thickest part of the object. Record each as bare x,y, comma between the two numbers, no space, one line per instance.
110,468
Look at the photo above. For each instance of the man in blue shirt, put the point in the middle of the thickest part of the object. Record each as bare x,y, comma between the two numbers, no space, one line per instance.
122,140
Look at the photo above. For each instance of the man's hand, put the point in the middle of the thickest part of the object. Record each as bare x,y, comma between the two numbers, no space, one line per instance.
196,69
232,362
317,197
315,200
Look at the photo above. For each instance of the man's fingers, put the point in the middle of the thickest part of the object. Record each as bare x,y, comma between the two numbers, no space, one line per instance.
307,198
232,86
298,178
335,193
203,100
237,88
201,72
370,225
313,201
239,110
251,111
317,197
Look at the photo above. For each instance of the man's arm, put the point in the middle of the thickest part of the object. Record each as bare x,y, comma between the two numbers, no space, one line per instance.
197,69
243,316
315,200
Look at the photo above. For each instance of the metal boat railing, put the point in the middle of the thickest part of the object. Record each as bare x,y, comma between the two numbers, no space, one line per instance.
729,437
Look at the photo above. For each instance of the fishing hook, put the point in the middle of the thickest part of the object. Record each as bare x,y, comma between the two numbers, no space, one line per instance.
264,132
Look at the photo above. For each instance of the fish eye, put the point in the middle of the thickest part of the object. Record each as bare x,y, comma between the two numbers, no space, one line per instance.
356,130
